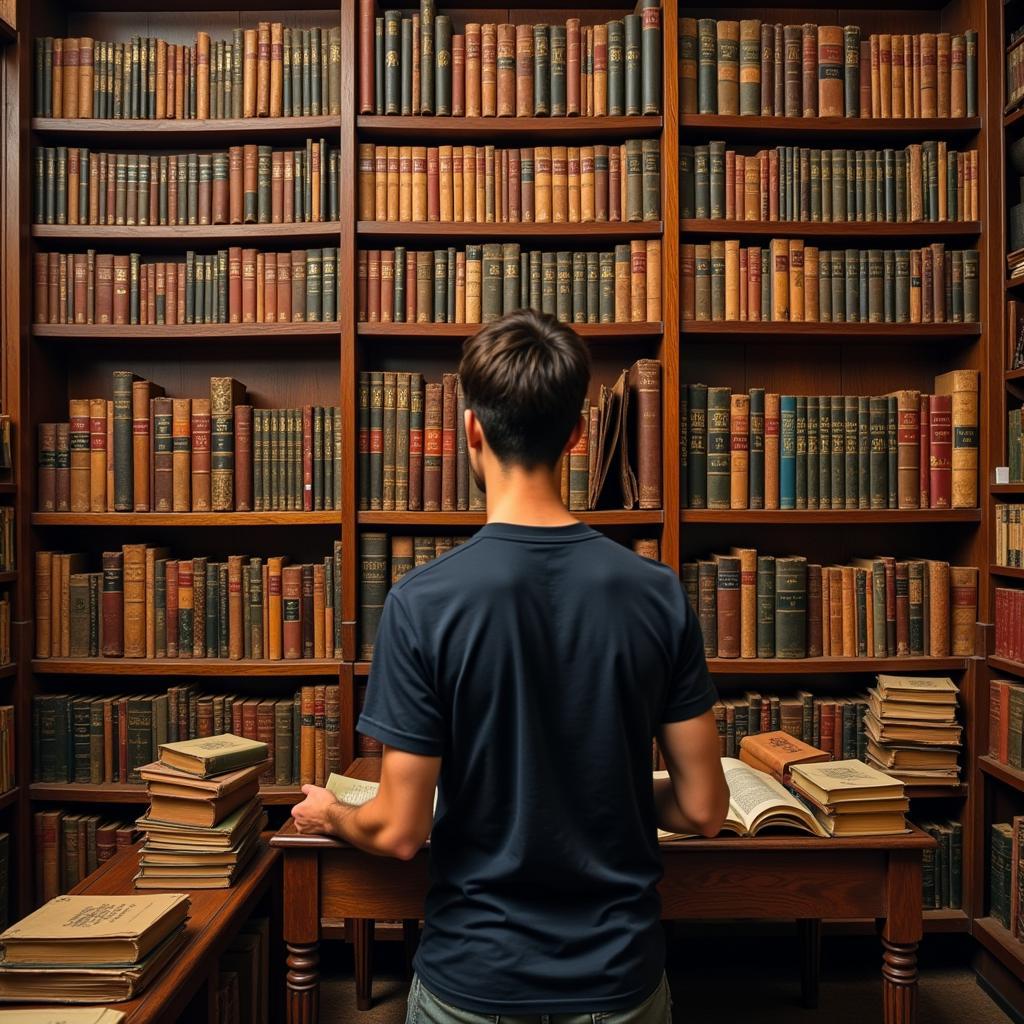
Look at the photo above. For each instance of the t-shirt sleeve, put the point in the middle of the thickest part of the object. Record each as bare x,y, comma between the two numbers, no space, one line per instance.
691,691
402,708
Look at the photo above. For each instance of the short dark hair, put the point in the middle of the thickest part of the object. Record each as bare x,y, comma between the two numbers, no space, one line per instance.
525,376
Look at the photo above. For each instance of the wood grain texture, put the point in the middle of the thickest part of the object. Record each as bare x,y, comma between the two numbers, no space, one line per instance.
185,667
329,333
827,333
1009,776
108,131
829,517
590,233
175,236
591,332
148,520
610,517
859,130
134,793
373,128
816,229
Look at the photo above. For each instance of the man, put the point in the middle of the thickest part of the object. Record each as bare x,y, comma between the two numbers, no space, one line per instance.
530,668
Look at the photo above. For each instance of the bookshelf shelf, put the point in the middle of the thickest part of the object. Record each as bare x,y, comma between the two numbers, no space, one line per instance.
828,517
8,577
594,232
1005,665
8,799
100,130
133,793
375,128
805,331
8,670
817,229
183,235
592,332
205,519
327,333
958,792
610,517
1014,375
185,667
1009,120
1007,489
1014,282
936,921
1007,571
1004,946
815,129
826,666
994,769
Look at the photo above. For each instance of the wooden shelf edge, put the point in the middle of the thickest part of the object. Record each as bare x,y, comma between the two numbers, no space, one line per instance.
205,519
592,332
186,667
134,793
827,332
374,126
829,517
185,332
926,127
1004,773
1005,665
595,230
185,234
1007,571
1000,943
830,229
8,798
422,519
171,128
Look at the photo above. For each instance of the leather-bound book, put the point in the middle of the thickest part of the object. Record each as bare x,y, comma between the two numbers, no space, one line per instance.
365,56
929,74
573,65
793,52
112,610
243,443
599,74
97,455
448,431
791,607
962,385
134,608
749,67
727,600
739,450
200,455
650,47
121,290
645,385
62,468
163,454
373,560
225,394
458,87
416,442
958,77
472,72
442,65
908,441
181,457
963,585
834,86
938,609
79,440
940,450
814,611
748,569
728,53
505,64
687,65
432,447
765,607
46,481
428,12
488,69
69,94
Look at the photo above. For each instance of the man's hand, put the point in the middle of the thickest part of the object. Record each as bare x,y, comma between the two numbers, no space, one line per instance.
317,814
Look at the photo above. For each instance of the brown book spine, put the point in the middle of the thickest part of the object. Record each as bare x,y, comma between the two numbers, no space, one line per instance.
181,457
97,455
134,610
506,71
937,645
367,92
963,583
291,601
448,432
200,455
432,448
648,432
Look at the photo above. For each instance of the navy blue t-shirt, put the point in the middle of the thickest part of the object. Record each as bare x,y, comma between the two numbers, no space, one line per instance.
538,663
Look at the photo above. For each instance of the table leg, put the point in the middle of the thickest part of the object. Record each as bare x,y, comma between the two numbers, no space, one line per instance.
410,940
362,944
900,937
809,929
301,898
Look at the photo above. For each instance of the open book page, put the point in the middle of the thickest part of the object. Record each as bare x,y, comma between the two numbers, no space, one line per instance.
351,791
756,799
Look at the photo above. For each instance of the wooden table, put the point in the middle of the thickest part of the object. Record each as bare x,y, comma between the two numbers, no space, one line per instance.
772,877
215,917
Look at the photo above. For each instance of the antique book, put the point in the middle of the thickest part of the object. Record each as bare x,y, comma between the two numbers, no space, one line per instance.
757,803
776,752
212,755
844,781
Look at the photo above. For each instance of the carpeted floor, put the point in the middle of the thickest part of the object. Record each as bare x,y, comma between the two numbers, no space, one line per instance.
724,979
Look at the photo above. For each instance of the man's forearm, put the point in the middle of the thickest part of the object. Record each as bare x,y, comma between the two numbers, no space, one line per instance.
670,816
367,827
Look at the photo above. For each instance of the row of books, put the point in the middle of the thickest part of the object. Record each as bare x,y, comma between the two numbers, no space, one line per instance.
488,184
483,282
1014,70
762,450
233,285
924,182
70,847
94,740
267,71
413,454
205,814
8,762
144,452
1015,334
756,69
145,604
1009,623
763,606
1006,722
241,185
1009,538
942,867
790,281
1006,879
420,65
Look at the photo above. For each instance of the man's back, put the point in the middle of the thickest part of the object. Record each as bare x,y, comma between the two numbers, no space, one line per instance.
538,662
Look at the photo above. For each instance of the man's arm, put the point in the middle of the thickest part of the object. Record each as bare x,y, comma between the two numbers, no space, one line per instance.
695,797
395,823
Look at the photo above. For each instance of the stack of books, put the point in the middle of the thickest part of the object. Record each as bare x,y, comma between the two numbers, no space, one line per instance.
91,949
850,798
205,814
912,729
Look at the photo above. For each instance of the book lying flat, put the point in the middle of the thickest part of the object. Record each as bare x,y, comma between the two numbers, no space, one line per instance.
224,834
777,752
199,858
912,757
212,755
163,781
908,711
187,878
63,984
77,1015
844,824
919,689
757,803
199,810
93,930
905,732
842,781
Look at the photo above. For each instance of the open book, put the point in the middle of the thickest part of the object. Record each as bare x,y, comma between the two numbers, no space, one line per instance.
355,792
756,803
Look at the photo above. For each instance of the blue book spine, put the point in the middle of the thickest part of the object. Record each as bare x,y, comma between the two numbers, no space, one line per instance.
787,454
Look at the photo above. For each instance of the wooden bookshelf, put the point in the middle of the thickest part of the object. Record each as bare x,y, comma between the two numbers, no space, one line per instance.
322,333
591,332
134,793
589,233
99,131
830,517
516,130
826,333
197,667
860,131
150,236
815,229
144,520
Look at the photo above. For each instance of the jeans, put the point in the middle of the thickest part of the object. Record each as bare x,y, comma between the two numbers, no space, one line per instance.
425,1008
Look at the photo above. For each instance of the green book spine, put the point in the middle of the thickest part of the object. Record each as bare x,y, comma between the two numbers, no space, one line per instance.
850,450
542,70
838,432
329,282
801,452
616,69
878,588
687,183
915,587
765,606
824,452
122,396
892,451
405,67
716,175
510,277
492,288
140,735
707,606
815,185
970,261
878,430
376,441
956,863
787,452
790,607
392,66
440,286
701,182
634,169
443,65
718,459
697,449
863,452
316,71
593,302
813,488
558,70
427,16
318,453
633,98
606,299
314,296
861,605
851,70
579,287
563,284
756,445
373,563
650,57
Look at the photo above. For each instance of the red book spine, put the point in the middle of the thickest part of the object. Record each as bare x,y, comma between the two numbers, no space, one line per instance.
307,457
171,619
433,184
924,434
940,443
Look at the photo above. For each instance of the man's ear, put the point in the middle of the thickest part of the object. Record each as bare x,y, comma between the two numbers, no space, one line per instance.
577,433
474,432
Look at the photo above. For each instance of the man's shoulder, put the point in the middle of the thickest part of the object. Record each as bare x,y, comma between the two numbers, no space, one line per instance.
436,570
